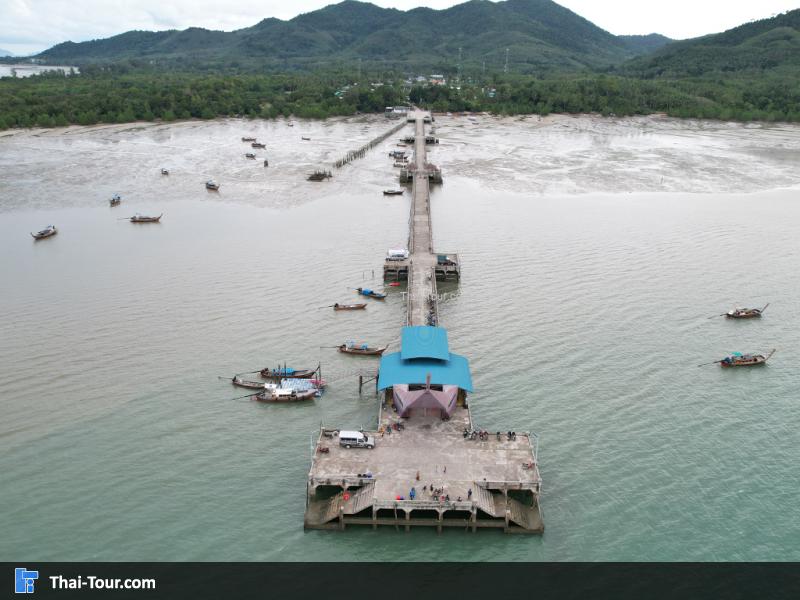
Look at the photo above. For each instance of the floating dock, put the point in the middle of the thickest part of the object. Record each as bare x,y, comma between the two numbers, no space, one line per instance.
428,468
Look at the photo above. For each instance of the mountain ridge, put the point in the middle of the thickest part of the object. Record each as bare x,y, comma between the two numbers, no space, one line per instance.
540,35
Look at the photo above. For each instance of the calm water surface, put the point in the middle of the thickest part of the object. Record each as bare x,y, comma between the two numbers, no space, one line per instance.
593,252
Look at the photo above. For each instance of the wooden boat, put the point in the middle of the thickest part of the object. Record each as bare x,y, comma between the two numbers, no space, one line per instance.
307,139
283,373
248,139
258,145
212,185
249,155
393,192
290,124
252,385
362,350
280,395
164,172
746,313
371,293
146,219
266,162
400,164
338,306
48,231
115,200
320,175
737,359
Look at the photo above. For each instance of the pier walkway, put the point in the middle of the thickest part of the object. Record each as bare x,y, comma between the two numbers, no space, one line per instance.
421,297
487,481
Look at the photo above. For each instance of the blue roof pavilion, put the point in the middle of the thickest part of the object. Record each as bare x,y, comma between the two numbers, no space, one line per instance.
424,352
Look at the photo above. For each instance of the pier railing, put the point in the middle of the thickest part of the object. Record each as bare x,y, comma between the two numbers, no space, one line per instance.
424,504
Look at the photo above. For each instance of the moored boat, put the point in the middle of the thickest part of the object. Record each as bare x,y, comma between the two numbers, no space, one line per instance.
248,139
737,359
165,171
285,395
249,155
212,185
371,293
361,349
746,313
249,384
146,219
307,139
392,192
115,200
258,145
320,175
284,372
338,306
48,231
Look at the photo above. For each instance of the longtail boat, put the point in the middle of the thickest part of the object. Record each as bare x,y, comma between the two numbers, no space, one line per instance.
45,233
392,192
737,359
212,185
338,306
115,200
746,313
363,349
248,139
165,171
284,395
306,139
371,293
282,373
258,145
320,175
146,219
251,385
249,155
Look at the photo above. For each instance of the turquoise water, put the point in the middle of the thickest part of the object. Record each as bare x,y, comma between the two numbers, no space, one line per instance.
593,254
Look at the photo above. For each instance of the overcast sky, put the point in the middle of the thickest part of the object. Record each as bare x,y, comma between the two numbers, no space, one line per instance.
29,26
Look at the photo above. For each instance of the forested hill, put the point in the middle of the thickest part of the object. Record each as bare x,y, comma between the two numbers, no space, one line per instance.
540,36
766,45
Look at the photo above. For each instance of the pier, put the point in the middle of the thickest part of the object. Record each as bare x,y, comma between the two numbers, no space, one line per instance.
429,466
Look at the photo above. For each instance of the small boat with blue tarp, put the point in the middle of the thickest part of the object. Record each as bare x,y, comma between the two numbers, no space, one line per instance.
287,372
361,349
371,293
737,359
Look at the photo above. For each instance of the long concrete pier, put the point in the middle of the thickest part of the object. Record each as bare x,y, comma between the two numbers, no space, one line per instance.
427,467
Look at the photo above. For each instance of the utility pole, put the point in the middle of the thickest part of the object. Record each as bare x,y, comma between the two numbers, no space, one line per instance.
505,68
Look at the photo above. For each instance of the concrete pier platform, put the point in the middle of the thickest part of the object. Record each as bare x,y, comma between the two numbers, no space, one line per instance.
483,483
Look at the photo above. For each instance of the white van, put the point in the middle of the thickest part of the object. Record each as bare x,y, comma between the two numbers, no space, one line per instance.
397,254
356,439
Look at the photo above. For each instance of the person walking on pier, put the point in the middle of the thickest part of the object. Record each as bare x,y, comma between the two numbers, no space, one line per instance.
469,494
